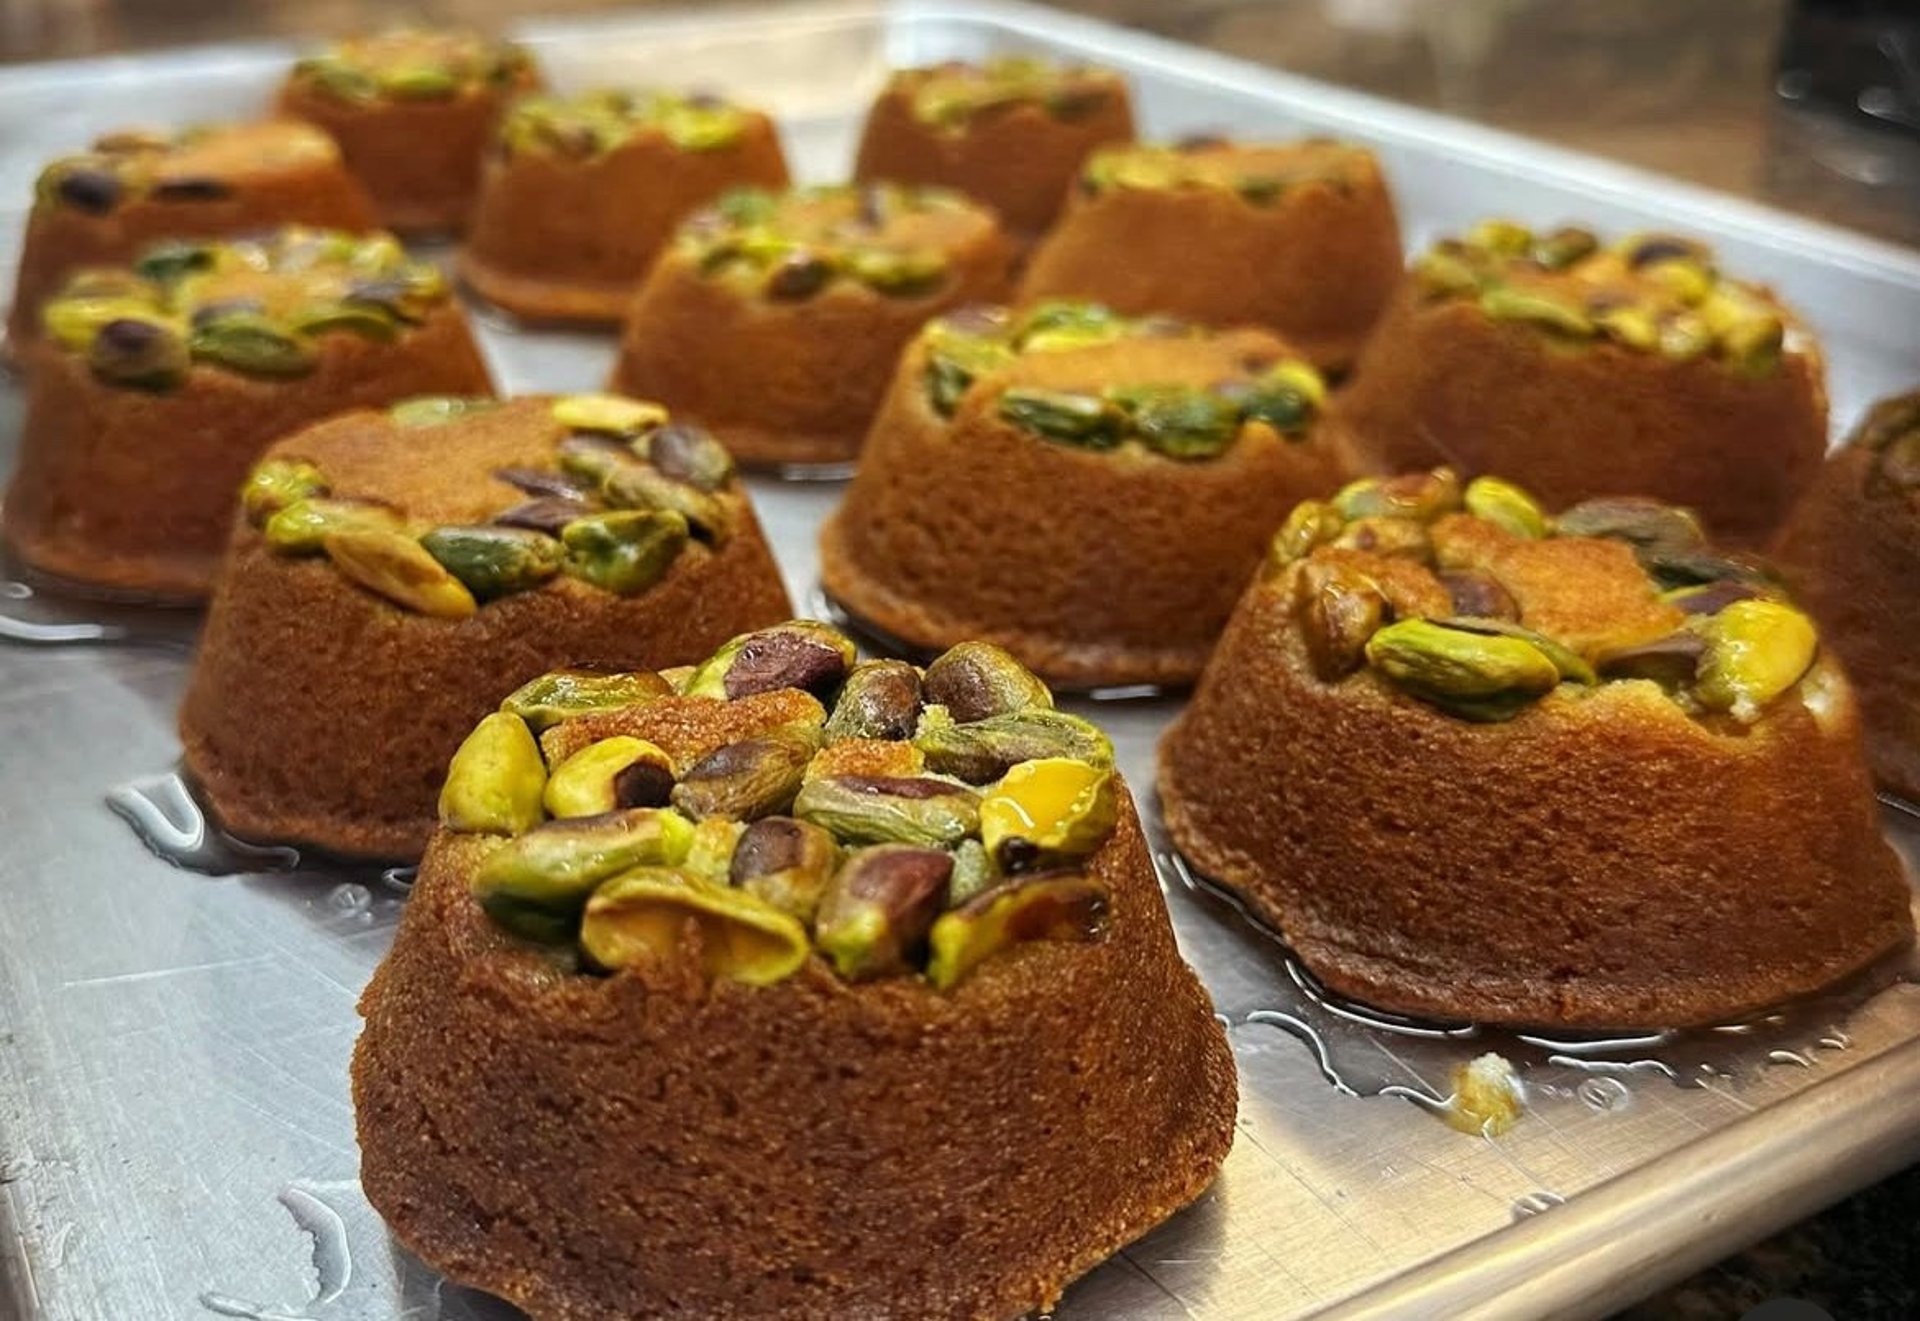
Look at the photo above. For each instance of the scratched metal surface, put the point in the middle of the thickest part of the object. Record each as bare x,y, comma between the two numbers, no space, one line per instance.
175,1135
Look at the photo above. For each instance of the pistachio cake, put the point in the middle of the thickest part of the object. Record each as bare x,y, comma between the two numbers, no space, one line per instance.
1585,369
1088,490
1010,131
1851,550
394,573
133,188
155,387
1299,237
581,193
413,110
776,319
1478,762
789,986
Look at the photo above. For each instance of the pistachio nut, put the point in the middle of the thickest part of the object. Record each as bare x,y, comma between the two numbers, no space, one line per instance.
1672,661
1684,337
690,455
537,883
899,274
276,483
1641,250
139,351
1687,280
396,566
1065,324
364,320
1420,495
1046,811
1634,327
1311,523
974,680
548,515
1641,523
608,414
437,410
617,772
1756,650
710,855
637,484
1057,908
1402,538
90,302
641,917
1439,274
973,872
1468,674
1753,342
418,82
495,561
889,809
801,653
252,343
1571,664
879,700
624,552
302,528
1506,238
956,360
752,778
786,862
1507,507
1713,597
1477,594
1085,420
1343,607
878,908
1564,247
563,694
165,263
1286,398
1181,422
1536,307
1694,568
495,780
981,751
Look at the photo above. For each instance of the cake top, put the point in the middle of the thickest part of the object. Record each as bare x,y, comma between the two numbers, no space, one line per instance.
1261,173
203,163
955,95
597,122
260,306
1890,434
415,64
1648,293
1079,374
895,239
589,492
1479,603
779,801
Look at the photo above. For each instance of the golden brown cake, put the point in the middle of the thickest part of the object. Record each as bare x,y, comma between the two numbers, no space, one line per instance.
1476,762
1089,491
413,111
1010,132
156,387
1299,237
786,990
776,320
1851,551
396,573
581,194
1584,370
137,187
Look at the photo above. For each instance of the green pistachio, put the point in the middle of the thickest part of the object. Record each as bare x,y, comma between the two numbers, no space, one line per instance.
608,414
879,907
955,361
1440,274
1423,496
973,872
1506,238
537,883
165,263
640,918
1053,326
1535,307
1085,420
1564,247
74,319
1467,674
495,780
495,561
1631,326
640,485
436,410
688,454
887,809
1181,422
1056,908
563,694
1754,342
975,680
802,653
1403,538
420,82
1342,609
624,552
710,856
1477,594
395,565
747,780
254,344
276,483
786,862
610,774
1646,525
1311,523
1684,337
143,351
302,528
1047,811
363,319
1756,650
1673,661
1572,667
1507,507
900,274
984,750
879,700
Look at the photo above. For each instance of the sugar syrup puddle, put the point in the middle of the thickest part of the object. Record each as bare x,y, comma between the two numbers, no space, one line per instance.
1363,1051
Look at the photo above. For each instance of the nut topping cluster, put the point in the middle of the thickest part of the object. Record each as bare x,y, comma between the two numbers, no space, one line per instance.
968,348
781,800
1420,584
259,306
1891,434
596,122
172,166
414,65
894,239
952,96
627,490
1259,174
1651,293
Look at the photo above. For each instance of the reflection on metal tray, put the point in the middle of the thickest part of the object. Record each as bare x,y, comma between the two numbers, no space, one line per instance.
175,1135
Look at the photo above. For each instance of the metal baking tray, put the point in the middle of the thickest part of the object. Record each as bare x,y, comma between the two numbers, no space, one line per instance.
175,1134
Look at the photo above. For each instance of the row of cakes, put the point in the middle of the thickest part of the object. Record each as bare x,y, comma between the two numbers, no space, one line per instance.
714,879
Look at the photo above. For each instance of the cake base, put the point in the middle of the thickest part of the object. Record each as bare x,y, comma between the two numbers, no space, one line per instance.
636,1146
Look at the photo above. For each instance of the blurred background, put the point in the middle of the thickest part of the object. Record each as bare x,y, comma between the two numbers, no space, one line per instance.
1810,105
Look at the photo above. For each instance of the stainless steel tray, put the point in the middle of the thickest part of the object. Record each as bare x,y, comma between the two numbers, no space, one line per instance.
175,1136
